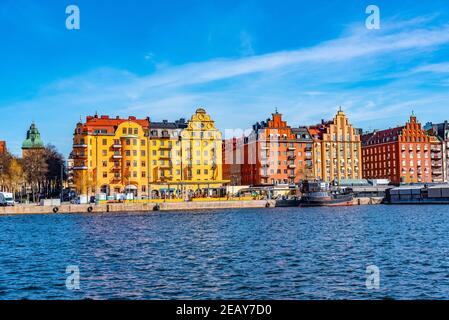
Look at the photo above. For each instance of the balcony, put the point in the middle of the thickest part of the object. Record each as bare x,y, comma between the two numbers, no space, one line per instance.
117,156
116,168
80,146
291,157
116,146
292,166
80,168
291,148
80,156
166,147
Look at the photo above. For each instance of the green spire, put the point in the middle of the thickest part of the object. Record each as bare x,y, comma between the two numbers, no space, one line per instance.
33,140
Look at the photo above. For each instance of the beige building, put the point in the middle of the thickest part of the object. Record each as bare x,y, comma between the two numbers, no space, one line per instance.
337,150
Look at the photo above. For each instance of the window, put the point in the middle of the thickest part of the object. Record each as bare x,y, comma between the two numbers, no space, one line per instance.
105,174
104,142
105,163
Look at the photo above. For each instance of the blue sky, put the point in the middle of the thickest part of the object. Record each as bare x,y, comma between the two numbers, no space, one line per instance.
238,59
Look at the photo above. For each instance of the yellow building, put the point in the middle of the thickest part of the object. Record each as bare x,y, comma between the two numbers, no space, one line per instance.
111,156
337,150
157,159
186,157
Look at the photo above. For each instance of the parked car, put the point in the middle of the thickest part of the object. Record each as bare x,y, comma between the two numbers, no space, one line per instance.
6,199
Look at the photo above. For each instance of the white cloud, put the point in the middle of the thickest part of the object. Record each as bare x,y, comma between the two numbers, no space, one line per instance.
305,84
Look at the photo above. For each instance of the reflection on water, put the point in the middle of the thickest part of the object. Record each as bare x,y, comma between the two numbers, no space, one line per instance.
290,253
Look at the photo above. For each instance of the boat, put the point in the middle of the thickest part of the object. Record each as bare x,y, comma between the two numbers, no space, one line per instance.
319,194
287,202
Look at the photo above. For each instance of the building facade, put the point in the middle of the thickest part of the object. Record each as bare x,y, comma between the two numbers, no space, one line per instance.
149,159
233,157
441,131
337,150
201,164
406,154
111,156
33,141
274,154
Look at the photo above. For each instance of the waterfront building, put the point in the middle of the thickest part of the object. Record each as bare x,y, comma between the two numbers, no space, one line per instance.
3,147
201,165
150,159
33,142
337,151
441,131
274,154
233,151
165,156
406,154
111,156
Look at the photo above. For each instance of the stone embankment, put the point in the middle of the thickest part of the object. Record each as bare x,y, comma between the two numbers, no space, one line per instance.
154,206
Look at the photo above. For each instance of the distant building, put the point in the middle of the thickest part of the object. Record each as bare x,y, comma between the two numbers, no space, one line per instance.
275,153
70,173
406,154
337,150
441,131
3,147
33,141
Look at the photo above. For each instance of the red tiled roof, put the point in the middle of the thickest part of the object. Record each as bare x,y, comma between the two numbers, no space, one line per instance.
110,124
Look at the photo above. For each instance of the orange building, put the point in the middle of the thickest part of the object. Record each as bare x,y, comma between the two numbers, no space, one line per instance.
404,154
2,147
275,153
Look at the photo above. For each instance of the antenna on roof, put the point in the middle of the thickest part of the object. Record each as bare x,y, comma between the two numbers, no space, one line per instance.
276,110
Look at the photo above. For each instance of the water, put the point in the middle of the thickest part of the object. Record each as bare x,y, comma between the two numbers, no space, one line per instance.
290,253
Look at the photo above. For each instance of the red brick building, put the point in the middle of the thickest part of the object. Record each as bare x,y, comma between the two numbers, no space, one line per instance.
232,160
404,154
275,153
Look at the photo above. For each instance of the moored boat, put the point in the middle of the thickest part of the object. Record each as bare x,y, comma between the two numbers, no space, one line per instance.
319,194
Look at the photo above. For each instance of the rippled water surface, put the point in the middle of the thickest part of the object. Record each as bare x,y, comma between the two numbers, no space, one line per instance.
291,253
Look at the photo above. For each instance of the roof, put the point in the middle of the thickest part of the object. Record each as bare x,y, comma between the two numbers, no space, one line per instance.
110,124
33,139
383,135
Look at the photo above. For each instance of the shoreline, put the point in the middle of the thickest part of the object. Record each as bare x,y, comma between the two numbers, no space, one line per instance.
151,206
